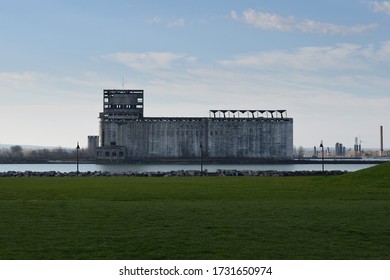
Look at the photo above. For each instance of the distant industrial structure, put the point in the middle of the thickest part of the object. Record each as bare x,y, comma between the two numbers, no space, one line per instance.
381,151
340,150
225,136
93,143
357,148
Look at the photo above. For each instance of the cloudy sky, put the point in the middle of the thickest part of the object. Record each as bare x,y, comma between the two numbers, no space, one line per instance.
326,62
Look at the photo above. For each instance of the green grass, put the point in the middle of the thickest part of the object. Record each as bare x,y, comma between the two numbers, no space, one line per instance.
341,217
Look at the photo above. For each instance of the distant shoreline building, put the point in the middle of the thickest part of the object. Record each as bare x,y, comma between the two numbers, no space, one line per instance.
225,136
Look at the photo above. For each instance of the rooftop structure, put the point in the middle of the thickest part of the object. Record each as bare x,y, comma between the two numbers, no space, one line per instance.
122,104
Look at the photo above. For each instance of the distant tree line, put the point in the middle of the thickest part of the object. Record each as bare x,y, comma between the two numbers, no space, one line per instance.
17,154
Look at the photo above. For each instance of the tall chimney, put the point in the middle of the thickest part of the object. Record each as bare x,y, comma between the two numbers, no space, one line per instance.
381,151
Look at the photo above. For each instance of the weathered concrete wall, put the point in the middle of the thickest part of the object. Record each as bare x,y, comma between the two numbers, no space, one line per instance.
93,143
157,138
250,138
221,138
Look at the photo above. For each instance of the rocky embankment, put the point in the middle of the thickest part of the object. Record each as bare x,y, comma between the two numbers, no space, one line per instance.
182,173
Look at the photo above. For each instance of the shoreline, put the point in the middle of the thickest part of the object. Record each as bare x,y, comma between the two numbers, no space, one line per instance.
177,173
211,161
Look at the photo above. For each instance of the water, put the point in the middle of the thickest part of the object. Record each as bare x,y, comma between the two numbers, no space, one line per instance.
60,167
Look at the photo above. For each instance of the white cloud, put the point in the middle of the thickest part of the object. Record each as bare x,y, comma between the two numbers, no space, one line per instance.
266,21
383,53
154,20
148,60
22,79
328,28
276,22
177,23
382,7
339,57
180,22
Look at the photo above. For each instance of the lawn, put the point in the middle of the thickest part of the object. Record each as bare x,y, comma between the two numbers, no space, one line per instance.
335,217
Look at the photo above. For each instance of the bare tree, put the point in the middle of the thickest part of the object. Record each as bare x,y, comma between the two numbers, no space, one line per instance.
300,152
17,151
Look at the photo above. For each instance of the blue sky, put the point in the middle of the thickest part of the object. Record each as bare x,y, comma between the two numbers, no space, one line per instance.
326,62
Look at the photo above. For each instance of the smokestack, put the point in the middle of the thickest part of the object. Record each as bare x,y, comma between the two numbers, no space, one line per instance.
381,152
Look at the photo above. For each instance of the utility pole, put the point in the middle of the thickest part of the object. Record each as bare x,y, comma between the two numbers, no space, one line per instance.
77,158
322,147
201,159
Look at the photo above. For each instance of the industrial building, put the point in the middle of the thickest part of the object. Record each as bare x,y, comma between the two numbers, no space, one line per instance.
225,136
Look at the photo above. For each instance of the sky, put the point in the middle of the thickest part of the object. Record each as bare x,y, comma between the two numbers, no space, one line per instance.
326,62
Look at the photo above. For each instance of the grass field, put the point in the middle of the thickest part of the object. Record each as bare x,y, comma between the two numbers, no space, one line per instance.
339,217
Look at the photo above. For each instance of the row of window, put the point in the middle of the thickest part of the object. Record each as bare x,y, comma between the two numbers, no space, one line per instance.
225,133
110,154
123,106
123,91
107,99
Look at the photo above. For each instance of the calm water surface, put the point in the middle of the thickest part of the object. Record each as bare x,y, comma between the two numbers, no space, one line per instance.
173,167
